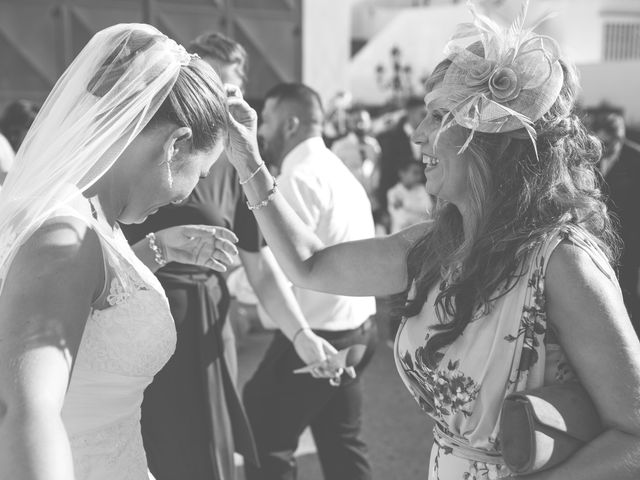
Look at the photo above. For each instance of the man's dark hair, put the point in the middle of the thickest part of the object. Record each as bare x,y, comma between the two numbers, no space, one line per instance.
303,96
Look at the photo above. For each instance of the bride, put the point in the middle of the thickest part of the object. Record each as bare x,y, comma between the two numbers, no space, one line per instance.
131,125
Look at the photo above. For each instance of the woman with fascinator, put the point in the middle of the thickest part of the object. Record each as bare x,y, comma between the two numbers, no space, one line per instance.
131,125
510,286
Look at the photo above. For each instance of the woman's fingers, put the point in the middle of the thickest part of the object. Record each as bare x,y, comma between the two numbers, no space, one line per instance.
213,247
223,257
242,113
205,231
227,247
232,90
226,234
215,265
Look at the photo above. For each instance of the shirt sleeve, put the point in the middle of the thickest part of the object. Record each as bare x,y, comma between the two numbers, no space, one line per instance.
246,227
302,192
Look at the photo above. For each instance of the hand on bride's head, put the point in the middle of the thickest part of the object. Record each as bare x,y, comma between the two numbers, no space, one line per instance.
242,143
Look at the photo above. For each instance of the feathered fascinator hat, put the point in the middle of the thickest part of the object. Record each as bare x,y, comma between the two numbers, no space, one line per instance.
505,84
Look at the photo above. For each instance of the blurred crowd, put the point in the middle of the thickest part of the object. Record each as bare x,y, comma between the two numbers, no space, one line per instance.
382,157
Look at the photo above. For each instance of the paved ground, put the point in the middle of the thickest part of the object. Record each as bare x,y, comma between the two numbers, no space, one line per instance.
398,435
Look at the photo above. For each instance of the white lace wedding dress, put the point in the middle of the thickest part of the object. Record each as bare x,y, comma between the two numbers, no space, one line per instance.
122,347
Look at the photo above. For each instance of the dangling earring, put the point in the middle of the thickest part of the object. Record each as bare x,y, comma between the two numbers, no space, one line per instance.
169,174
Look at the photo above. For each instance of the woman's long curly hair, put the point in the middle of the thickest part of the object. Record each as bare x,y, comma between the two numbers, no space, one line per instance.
516,201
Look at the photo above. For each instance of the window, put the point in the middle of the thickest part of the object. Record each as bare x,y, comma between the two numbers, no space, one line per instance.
621,41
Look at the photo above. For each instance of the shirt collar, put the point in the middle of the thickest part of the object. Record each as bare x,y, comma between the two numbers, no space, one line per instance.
301,151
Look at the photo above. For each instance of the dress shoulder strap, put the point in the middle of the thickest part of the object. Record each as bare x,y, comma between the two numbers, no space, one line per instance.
581,238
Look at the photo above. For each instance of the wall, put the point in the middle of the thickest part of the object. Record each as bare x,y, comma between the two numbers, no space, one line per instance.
613,82
326,27
39,38
421,33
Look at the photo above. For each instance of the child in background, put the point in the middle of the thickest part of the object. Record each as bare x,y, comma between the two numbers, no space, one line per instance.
408,201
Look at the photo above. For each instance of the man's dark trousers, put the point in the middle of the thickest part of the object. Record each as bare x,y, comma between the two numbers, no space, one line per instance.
281,404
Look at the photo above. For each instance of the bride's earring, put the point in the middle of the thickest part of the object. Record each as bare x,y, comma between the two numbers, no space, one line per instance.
169,175
172,152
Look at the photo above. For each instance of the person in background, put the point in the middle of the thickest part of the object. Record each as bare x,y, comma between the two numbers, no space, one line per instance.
408,200
360,152
192,416
336,117
7,156
16,121
331,202
620,167
397,149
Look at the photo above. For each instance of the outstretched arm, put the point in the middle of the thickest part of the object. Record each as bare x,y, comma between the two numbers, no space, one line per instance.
44,306
374,266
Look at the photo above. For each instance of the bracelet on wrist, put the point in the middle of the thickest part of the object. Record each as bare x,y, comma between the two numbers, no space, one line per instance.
253,174
158,256
270,194
300,330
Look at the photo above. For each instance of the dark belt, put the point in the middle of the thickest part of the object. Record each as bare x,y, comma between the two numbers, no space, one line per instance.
363,328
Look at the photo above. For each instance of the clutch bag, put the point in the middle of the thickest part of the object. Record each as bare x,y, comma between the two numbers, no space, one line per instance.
541,428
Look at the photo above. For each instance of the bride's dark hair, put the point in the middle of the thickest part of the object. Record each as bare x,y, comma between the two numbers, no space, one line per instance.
517,200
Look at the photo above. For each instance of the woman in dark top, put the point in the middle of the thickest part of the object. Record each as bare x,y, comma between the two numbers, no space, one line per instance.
192,417
199,380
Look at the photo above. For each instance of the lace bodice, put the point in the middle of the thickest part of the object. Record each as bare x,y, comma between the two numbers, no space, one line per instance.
123,345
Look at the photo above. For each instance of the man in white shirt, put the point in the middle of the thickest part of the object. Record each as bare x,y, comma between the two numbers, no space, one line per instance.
328,198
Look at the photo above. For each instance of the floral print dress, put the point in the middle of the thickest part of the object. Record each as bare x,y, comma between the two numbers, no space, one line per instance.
505,350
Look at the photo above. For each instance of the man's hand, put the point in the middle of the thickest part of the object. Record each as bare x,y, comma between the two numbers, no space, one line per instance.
313,349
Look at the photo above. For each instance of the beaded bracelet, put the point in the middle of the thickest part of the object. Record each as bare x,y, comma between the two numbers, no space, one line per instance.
157,253
253,174
266,201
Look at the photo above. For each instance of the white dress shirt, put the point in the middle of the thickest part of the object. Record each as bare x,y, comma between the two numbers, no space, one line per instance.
329,199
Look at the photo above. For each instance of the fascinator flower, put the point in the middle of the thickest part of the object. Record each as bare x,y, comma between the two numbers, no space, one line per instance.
501,79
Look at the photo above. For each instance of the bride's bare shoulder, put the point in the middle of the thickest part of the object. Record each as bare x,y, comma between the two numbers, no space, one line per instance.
63,246
62,232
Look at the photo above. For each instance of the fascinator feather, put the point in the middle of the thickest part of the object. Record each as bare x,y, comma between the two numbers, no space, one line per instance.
501,79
